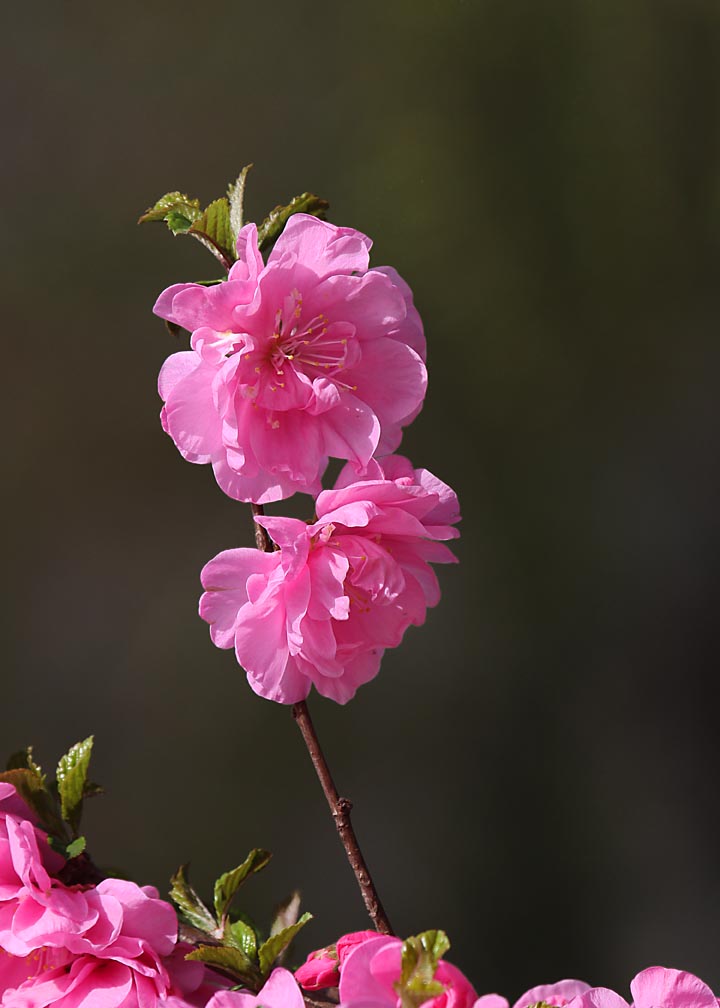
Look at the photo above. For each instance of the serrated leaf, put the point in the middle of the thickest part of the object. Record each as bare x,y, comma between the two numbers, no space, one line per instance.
23,760
32,790
241,935
213,229
229,883
236,197
230,960
286,914
189,903
277,943
71,777
420,956
270,229
76,847
172,203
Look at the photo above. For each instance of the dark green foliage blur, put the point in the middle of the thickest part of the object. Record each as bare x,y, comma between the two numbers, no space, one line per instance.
535,771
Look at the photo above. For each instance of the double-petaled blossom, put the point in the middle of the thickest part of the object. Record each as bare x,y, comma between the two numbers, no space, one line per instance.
371,974
310,356
322,608
60,944
556,995
656,987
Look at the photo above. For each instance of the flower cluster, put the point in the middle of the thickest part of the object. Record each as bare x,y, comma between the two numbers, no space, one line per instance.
366,967
112,944
310,355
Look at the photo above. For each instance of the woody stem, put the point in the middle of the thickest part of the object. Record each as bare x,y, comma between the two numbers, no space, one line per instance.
340,808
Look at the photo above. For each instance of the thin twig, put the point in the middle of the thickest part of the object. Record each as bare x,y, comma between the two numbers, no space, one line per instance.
340,808
262,539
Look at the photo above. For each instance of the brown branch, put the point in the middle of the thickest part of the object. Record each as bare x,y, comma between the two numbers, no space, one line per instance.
262,539
340,808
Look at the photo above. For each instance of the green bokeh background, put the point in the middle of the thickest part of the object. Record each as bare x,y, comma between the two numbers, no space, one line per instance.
536,769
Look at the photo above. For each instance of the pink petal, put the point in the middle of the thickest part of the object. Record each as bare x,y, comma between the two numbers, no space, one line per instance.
370,303
261,647
281,991
190,416
350,430
358,981
410,330
658,986
225,580
598,997
322,247
175,368
392,379
356,672
249,262
262,488
288,443
194,306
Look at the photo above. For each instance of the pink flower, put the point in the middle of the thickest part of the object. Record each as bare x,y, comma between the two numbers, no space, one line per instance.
310,356
280,991
655,987
372,969
61,942
557,995
322,609
322,968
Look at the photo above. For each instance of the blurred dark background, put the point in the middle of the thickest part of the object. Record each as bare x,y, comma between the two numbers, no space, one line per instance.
536,769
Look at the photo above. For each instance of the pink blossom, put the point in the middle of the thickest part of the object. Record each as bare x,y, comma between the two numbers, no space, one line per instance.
322,609
319,970
557,995
280,991
372,969
322,967
656,987
309,356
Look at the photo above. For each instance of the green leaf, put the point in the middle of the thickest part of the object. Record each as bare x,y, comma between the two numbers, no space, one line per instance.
213,229
277,943
286,914
241,935
189,903
236,196
71,781
172,203
31,788
270,229
76,847
178,222
231,960
229,883
420,956
23,760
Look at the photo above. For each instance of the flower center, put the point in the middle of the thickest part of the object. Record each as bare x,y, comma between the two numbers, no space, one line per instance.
308,345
